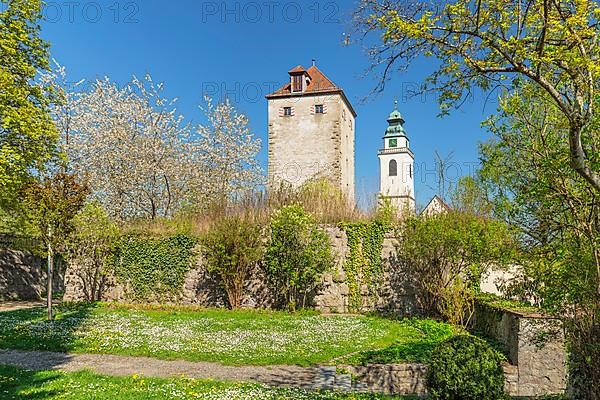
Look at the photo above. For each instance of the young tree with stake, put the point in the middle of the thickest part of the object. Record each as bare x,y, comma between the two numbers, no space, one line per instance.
50,204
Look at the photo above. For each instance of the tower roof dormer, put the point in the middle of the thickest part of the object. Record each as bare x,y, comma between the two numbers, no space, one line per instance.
395,124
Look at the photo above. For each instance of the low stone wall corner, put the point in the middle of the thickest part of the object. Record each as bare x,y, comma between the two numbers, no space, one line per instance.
535,345
391,379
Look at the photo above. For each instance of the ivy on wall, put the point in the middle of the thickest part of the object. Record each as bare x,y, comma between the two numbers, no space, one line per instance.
363,266
154,268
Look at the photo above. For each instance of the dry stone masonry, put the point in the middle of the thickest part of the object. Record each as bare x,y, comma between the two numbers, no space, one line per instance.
535,345
23,276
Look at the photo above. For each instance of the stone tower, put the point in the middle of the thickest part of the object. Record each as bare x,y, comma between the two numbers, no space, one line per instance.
396,162
311,132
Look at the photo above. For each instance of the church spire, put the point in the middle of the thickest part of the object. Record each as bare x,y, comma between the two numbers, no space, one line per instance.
395,123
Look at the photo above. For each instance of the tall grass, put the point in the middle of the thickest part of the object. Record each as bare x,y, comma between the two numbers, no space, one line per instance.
326,203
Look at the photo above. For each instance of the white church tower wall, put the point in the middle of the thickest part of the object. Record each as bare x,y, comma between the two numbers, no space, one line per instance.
396,165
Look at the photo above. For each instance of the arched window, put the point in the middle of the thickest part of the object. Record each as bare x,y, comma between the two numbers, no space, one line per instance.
393,168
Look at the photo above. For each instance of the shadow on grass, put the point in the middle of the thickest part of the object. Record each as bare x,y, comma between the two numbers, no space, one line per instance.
419,352
23,384
28,329
25,330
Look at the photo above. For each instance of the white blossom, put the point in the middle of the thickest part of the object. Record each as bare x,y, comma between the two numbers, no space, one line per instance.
140,157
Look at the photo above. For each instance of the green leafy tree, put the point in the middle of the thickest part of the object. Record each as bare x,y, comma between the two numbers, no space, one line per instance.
534,188
27,134
51,205
447,254
299,252
90,246
470,197
233,246
488,44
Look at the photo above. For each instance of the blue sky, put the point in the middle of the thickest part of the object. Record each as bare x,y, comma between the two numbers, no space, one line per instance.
243,50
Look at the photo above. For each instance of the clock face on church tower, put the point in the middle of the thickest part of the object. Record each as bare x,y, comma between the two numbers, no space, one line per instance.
393,142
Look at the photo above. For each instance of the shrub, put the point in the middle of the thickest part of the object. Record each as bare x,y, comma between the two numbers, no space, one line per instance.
447,253
89,248
465,367
154,268
299,252
232,247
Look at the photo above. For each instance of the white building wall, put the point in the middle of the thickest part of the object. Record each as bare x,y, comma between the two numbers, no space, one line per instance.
400,188
347,125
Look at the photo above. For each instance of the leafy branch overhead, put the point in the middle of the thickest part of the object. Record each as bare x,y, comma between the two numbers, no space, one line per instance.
498,44
528,177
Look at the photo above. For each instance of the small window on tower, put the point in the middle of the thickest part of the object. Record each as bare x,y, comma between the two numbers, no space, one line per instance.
297,85
287,111
393,142
319,109
393,168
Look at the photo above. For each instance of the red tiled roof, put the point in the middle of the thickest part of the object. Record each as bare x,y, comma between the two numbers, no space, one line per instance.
299,68
318,83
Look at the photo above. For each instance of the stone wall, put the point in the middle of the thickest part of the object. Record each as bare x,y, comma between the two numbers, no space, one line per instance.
395,294
405,379
23,276
200,288
535,345
391,379
203,289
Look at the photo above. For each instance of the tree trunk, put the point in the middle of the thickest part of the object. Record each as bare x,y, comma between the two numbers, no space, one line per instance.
578,158
50,279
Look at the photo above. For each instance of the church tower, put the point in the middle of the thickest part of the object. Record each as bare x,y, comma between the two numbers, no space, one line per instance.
396,162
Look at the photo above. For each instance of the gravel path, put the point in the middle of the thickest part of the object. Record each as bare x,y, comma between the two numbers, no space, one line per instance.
21,305
279,375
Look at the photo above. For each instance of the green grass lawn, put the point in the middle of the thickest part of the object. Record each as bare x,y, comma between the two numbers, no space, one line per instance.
228,337
416,345
50,385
